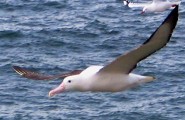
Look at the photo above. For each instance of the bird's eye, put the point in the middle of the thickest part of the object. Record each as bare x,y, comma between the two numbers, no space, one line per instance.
69,81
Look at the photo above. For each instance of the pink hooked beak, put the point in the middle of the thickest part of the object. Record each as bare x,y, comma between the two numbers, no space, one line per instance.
57,90
142,12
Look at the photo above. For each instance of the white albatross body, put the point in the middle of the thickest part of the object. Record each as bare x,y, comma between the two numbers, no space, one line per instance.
90,80
116,76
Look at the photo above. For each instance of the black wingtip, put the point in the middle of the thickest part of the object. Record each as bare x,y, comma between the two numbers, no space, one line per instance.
126,2
30,74
17,69
173,16
172,19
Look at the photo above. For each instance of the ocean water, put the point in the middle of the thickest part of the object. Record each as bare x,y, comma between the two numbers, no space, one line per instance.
56,36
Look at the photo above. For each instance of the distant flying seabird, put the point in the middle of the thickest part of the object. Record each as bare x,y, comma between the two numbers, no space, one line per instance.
154,6
117,75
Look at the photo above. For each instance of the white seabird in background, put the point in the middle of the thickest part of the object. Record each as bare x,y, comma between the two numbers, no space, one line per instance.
154,6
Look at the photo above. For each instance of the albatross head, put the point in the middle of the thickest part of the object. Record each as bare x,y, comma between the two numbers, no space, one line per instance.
70,83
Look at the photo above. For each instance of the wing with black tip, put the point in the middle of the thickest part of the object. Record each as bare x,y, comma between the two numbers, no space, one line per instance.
127,62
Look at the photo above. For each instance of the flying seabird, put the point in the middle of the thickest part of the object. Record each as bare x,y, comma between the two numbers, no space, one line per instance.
154,6
116,76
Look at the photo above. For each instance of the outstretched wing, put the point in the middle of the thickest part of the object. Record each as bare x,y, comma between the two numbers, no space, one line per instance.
127,62
37,76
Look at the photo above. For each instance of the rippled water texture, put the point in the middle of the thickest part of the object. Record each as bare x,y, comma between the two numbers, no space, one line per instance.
54,36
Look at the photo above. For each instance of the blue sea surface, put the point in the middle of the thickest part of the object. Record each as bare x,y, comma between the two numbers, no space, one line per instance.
57,36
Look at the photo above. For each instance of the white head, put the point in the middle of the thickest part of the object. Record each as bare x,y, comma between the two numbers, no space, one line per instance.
70,83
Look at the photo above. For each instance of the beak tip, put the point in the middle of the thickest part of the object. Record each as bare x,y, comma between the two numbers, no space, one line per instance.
57,90
50,94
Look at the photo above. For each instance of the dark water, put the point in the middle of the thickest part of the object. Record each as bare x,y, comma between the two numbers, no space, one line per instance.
54,36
